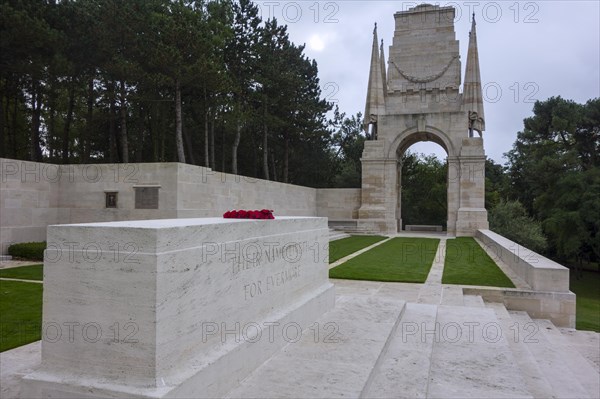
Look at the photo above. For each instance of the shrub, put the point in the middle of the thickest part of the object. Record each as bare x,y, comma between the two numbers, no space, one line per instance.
510,219
28,250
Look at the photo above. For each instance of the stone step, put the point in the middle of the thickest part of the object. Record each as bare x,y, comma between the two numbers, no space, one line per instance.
350,228
430,294
470,357
585,373
405,366
537,384
337,236
342,223
474,301
333,358
587,343
549,357
14,365
452,295
4,258
358,231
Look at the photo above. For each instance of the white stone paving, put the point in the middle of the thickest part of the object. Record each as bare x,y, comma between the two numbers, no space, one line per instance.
431,291
389,346
389,340
15,364
550,359
407,363
534,378
8,264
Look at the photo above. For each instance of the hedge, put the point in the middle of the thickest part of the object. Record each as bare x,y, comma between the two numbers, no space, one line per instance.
28,250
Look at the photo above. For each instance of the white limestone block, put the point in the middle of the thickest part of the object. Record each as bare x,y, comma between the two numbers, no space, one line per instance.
176,307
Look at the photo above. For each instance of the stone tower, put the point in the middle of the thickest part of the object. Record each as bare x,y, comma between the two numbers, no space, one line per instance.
420,100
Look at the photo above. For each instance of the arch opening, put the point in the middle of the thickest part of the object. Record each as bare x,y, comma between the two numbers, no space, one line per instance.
422,187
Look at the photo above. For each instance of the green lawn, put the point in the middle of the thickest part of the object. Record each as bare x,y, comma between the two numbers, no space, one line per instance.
588,300
468,264
346,246
33,272
399,259
20,313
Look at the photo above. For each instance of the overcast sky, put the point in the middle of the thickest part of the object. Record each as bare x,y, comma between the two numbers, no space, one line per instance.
528,50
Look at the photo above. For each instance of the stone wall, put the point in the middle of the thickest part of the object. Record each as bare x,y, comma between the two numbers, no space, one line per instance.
29,201
541,273
202,192
549,297
35,195
558,307
83,194
338,203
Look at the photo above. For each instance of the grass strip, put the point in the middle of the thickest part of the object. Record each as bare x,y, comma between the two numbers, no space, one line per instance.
32,272
588,300
400,259
468,264
346,246
20,313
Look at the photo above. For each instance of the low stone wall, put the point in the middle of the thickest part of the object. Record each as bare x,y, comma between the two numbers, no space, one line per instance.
29,201
541,273
558,307
176,307
549,296
202,192
34,195
338,203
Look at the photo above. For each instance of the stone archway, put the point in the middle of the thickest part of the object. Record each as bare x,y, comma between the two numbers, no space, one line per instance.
419,99
399,147
465,182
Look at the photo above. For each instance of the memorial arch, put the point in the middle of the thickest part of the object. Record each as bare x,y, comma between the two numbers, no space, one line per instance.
418,98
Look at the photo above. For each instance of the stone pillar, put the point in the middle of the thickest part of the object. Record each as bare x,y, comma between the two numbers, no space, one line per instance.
390,167
399,193
378,195
373,182
453,193
472,215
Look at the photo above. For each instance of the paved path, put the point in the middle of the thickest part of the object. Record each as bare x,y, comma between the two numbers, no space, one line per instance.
352,255
20,279
431,291
8,264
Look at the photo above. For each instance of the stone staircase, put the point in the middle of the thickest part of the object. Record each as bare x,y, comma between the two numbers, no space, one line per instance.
462,347
349,226
336,235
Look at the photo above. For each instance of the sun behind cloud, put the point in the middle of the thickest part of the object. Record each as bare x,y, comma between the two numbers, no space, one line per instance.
316,43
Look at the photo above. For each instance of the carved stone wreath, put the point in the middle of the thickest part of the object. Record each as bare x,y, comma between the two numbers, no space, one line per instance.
425,79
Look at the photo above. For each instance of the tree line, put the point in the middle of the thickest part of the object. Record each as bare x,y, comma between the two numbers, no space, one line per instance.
211,83
203,82
554,173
